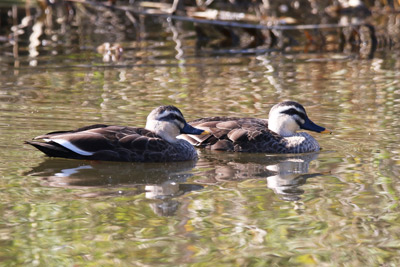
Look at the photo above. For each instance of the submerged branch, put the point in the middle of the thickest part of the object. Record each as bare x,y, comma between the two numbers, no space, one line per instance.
158,13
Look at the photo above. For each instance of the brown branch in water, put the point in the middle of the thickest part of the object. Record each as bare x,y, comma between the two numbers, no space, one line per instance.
226,23
156,13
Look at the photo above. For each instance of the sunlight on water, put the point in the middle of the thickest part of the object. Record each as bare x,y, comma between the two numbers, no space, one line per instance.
340,205
335,207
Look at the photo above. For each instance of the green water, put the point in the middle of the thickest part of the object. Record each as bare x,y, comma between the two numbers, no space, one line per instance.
339,207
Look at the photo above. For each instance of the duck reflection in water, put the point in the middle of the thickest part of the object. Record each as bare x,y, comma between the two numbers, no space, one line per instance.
160,182
284,173
163,183
290,174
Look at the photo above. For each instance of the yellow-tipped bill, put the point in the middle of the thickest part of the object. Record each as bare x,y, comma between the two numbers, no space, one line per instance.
326,131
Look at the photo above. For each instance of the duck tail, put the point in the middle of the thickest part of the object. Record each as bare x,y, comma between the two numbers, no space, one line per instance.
53,149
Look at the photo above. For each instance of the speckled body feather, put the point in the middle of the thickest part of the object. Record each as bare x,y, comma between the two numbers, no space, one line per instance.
248,135
117,143
155,143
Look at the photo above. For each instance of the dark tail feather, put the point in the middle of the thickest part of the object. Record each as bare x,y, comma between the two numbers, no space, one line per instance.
53,149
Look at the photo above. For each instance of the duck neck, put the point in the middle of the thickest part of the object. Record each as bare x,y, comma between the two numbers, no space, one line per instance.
165,130
281,130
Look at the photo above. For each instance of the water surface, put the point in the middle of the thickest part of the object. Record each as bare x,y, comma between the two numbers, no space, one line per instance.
335,207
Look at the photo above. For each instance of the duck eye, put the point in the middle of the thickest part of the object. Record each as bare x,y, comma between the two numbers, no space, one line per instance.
293,111
172,117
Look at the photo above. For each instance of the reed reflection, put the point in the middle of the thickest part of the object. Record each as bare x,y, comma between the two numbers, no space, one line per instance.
284,173
161,182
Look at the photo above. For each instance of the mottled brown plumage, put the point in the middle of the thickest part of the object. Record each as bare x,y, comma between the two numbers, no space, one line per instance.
122,143
255,135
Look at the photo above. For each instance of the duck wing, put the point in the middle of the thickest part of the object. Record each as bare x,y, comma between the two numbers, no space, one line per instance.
236,134
110,143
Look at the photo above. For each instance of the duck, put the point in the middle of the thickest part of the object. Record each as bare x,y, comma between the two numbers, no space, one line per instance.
156,142
276,135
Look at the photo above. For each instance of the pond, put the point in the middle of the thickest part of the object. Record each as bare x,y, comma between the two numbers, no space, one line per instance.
339,206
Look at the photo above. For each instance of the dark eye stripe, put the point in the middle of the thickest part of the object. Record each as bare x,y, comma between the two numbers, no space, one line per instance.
294,111
171,117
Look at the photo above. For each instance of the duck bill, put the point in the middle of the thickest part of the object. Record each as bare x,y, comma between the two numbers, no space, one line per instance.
187,129
309,125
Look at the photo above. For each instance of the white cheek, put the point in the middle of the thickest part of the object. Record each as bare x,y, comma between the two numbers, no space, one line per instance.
292,125
151,125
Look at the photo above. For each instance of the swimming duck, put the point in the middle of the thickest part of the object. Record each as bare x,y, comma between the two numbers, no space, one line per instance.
278,134
156,142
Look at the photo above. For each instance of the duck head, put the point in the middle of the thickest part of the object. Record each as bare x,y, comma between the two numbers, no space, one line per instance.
168,122
286,118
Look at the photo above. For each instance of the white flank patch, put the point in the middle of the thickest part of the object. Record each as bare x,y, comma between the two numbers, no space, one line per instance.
70,146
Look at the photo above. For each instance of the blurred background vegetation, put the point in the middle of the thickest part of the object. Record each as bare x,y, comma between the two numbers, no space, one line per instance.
248,26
